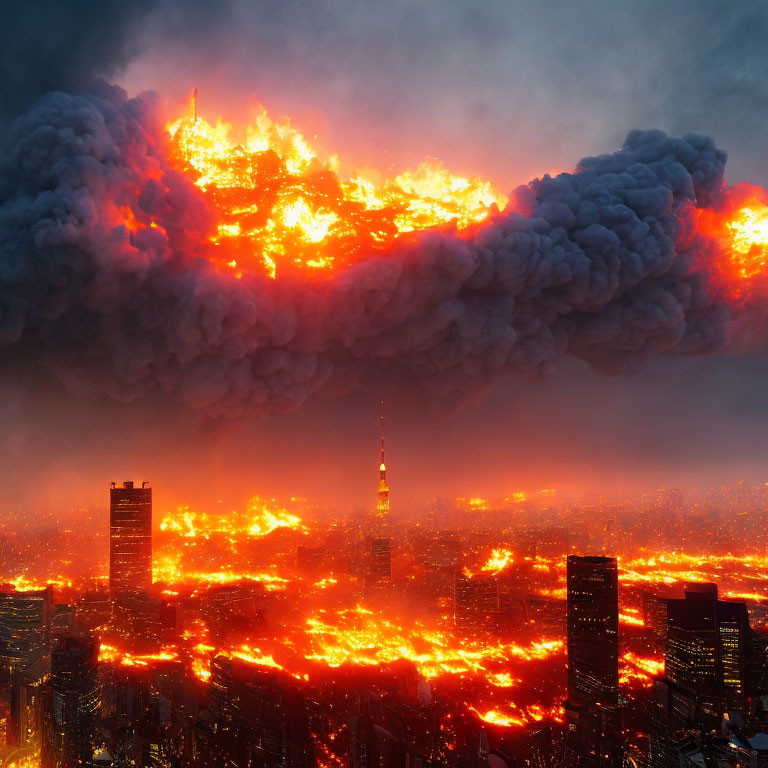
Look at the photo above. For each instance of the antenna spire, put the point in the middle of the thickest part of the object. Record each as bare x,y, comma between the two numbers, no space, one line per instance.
381,417
382,506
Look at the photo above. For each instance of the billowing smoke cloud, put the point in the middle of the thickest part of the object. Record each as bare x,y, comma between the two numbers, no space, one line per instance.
604,264
48,44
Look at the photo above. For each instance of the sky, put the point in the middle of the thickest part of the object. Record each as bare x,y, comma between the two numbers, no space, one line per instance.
500,89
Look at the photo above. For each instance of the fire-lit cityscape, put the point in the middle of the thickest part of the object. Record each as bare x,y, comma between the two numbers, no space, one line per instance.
270,636
382,385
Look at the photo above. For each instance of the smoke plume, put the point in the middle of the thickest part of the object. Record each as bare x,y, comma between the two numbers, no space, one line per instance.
604,264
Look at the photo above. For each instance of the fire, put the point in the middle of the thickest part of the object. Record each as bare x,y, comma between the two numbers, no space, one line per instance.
748,231
261,519
740,226
188,538
359,637
533,713
23,583
112,655
643,670
499,559
654,667
628,618
279,205
494,717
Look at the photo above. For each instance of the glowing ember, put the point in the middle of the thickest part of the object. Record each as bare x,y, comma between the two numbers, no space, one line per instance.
280,206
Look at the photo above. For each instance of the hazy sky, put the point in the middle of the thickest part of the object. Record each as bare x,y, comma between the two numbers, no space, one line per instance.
507,90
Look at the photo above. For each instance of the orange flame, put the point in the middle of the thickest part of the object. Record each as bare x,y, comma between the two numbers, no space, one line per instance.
740,226
280,205
498,560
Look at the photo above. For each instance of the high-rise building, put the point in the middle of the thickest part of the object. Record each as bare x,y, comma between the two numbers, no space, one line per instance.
382,505
260,718
25,622
130,538
592,709
708,642
715,667
25,628
71,726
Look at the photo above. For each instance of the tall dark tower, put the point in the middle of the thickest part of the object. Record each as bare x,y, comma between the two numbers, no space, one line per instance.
592,709
130,539
382,505
71,726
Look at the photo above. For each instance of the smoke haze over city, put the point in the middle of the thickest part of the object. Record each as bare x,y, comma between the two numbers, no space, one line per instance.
382,385
533,102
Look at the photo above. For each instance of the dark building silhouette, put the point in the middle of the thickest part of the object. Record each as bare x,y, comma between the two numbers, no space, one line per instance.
71,716
592,709
25,628
130,538
707,648
714,664
371,745
260,719
25,623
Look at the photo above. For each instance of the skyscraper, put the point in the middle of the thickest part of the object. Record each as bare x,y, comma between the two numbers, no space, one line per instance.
260,717
382,505
592,709
25,622
707,648
72,708
714,664
130,538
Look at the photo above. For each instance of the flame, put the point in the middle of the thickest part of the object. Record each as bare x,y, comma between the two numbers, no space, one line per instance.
279,205
359,637
640,669
740,226
261,519
113,655
749,239
24,583
653,667
628,618
498,560
495,717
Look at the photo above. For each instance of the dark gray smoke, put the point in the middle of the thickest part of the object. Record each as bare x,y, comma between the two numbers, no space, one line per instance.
48,44
604,264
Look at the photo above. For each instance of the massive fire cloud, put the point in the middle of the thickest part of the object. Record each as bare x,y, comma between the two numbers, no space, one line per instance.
138,257
280,206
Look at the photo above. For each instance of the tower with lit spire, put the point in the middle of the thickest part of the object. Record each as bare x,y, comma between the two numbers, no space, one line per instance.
382,505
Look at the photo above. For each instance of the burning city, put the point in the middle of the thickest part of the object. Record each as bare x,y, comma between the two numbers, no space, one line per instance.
235,236
473,631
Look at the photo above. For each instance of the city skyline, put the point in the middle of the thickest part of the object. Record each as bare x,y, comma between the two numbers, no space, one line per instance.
383,384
